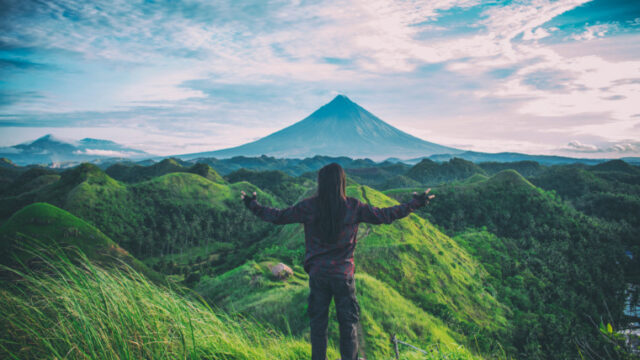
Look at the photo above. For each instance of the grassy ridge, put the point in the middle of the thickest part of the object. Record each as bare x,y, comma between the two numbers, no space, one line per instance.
429,268
72,308
84,311
252,290
528,283
418,268
55,226
555,268
161,216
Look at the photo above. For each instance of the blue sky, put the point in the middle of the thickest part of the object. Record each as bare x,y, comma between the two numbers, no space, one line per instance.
169,77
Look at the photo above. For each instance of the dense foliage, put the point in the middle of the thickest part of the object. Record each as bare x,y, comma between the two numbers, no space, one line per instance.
514,267
276,182
166,215
429,172
559,271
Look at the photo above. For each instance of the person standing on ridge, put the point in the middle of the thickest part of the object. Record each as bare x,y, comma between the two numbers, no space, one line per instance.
331,221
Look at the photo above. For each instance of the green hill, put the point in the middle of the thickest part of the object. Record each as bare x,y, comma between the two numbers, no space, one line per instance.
252,290
165,215
527,168
475,178
206,172
616,165
31,180
278,183
133,173
429,172
399,181
610,190
551,264
80,310
379,175
49,224
409,259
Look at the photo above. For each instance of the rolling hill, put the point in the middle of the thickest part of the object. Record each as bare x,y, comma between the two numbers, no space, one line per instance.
549,263
44,224
76,308
494,264
414,281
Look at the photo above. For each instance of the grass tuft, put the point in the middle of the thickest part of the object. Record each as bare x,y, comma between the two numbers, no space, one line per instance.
71,308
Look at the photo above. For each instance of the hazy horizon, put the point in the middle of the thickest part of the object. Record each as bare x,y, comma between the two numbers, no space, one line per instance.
536,77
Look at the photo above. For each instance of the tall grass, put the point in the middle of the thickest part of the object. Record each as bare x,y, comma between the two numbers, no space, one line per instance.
64,306
71,308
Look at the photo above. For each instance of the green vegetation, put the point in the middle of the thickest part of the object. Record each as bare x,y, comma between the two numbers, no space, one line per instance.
81,310
498,265
526,168
252,290
429,172
609,190
46,222
276,182
31,180
133,173
379,175
549,264
165,215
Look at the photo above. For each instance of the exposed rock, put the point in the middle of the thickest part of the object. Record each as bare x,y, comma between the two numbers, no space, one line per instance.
281,271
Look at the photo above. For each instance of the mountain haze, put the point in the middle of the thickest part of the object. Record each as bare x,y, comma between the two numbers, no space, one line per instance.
55,151
339,128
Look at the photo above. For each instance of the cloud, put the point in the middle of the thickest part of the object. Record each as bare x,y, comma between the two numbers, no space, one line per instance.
624,147
19,64
10,150
576,145
537,34
110,153
229,72
12,97
592,32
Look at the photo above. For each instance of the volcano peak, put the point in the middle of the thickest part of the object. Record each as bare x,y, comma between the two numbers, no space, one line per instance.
338,128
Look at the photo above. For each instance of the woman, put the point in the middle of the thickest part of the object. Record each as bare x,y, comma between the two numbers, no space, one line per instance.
331,221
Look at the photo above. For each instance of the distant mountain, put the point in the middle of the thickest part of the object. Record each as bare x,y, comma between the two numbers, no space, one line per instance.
429,172
56,152
132,173
478,157
339,128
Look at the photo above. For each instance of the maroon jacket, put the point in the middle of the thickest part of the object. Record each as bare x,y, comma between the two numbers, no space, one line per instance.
337,258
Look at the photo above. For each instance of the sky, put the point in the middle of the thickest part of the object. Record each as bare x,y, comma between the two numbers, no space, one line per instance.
173,77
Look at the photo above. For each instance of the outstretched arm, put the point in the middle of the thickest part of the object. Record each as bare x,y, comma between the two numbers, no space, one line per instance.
290,215
374,215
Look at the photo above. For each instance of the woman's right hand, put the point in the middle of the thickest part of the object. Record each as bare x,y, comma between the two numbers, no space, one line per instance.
423,197
248,199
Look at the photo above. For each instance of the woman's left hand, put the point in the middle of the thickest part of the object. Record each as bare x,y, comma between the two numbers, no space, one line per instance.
423,197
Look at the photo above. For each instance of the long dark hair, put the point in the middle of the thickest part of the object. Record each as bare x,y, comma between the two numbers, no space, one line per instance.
331,202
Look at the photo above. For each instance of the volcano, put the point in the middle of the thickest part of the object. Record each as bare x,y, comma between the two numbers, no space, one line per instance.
339,128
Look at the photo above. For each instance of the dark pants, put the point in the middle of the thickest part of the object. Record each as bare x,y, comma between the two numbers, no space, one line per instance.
343,290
